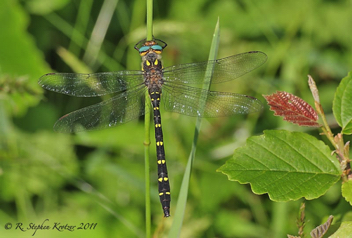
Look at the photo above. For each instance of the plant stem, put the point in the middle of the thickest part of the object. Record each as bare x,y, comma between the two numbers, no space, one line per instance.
149,20
326,129
147,131
341,150
147,168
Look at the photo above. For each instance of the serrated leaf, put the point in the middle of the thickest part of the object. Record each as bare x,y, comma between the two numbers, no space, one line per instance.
347,191
344,230
342,105
286,165
292,108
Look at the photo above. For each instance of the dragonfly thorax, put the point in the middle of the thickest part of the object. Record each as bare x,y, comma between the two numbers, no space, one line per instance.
152,68
151,61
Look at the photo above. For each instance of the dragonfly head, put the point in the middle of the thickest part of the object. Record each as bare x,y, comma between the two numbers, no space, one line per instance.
155,46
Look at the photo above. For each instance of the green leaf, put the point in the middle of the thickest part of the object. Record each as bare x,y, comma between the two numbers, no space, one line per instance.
347,191
37,164
342,105
286,165
344,230
21,63
18,53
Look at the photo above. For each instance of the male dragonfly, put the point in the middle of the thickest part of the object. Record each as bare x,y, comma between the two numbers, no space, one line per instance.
175,85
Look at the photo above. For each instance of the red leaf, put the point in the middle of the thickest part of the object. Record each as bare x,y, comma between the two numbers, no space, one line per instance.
292,109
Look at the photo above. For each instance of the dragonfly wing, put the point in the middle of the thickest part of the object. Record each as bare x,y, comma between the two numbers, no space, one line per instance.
119,109
91,85
188,100
225,69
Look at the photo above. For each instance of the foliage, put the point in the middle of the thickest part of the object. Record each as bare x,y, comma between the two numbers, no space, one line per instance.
98,177
289,166
342,106
286,165
292,108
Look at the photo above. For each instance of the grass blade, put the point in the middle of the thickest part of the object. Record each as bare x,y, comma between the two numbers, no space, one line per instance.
182,199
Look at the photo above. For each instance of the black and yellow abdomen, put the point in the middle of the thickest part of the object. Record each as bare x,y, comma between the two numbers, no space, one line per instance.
163,179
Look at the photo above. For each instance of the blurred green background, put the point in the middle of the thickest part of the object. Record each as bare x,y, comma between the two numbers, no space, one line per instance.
98,177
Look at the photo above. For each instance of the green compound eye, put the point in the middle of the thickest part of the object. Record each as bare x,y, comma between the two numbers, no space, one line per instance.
144,48
157,47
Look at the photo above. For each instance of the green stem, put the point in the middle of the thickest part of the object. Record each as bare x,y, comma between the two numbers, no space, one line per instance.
147,168
147,131
341,150
279,221
326,129
329,136
149,20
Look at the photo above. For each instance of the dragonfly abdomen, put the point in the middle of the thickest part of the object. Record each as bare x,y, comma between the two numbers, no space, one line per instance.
163,179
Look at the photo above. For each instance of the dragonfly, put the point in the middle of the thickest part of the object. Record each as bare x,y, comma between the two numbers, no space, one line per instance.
178,87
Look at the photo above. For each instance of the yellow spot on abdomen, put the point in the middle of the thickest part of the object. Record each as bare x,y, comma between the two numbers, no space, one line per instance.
158,143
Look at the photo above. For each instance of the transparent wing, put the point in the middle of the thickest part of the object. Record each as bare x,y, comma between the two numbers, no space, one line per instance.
121,108
187,100
225,69
91,85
